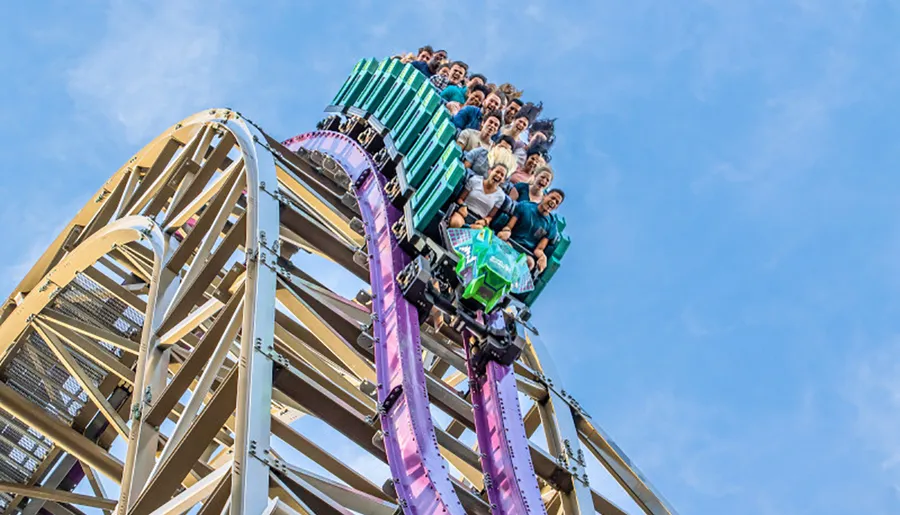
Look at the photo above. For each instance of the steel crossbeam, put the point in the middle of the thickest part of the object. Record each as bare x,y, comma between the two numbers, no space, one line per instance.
173,286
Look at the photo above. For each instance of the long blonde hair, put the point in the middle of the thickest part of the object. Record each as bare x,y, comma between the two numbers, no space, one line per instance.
499,154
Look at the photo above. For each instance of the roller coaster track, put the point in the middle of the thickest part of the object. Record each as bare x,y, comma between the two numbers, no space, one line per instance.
164,315
421,478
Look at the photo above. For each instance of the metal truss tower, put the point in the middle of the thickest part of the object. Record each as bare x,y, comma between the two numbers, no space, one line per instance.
164,343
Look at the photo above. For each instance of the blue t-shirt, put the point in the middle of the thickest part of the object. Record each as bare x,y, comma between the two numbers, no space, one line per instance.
422,67
468,117
478,160
454,93
531,226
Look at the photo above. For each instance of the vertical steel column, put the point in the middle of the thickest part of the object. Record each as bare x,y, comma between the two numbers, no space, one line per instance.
249,490
149,380
560,430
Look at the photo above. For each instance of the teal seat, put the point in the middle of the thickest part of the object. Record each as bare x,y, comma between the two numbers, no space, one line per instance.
431,109
438,144
553,262
379,86
541,282
563,246
338,99
411,109
427,202
399,97
560,222
358,85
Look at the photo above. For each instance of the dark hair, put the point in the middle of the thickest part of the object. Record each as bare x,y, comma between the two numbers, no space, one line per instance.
517,101
508,139
530,112
478,75
538,147
444,65
562,194
479,87
547,127
495,113
426,48
460,63
434,65
441,50
499,94
501,165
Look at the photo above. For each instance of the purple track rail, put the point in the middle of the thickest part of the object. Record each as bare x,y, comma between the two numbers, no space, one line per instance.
420,474
505,454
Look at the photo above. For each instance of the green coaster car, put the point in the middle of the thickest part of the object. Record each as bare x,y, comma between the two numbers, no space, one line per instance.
489,268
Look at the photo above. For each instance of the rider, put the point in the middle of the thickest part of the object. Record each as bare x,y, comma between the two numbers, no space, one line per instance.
533,190
480,199
470,139
533,227
536,156
469,117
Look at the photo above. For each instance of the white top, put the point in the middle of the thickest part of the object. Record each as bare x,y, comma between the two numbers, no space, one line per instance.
480,203
470,139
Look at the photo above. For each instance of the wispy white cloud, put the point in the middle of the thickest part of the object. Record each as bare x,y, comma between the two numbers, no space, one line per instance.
795,123
158,62
738,458
32,225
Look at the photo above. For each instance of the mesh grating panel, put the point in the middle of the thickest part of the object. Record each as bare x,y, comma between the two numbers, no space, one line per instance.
89,302
34,372
22,450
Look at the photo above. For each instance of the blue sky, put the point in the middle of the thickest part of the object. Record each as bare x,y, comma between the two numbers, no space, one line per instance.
728,309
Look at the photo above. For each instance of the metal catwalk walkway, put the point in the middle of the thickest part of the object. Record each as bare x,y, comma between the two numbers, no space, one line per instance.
163,316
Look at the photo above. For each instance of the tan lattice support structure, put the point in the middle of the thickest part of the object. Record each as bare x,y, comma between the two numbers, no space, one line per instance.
164,316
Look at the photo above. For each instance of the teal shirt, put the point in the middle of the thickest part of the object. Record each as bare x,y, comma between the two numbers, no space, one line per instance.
454,94
524,194
531,226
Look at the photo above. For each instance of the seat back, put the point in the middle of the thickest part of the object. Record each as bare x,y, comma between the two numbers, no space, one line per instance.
338,98
555,252
400,96
360,79
372,81
378,88
427,202
504,213
409,129
428,150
